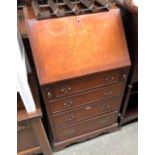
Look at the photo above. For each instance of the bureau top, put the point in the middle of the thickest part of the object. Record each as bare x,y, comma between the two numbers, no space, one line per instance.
70,47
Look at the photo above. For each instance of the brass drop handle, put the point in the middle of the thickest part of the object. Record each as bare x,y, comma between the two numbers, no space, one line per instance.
104,121
112,78
66,89
49,94
88,108
106,106
109,79
69,118
72,131
108,93
124,76
106,79
68,103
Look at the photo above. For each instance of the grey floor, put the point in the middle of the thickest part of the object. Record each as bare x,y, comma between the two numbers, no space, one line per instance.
122,142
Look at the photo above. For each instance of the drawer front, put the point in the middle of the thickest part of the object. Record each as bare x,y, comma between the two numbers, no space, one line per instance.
26,138
88,111
85,98
87,126
85,83
23,125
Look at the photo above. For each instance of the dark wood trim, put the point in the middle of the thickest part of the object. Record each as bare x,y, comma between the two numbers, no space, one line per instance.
41,136
130,20
132,117
31,151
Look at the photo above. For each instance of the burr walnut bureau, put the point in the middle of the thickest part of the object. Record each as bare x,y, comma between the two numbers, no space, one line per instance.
82,65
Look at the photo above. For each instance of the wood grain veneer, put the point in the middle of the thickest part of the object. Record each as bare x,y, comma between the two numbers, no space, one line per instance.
75,46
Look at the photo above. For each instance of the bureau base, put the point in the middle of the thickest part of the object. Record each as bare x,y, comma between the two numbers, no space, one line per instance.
57,146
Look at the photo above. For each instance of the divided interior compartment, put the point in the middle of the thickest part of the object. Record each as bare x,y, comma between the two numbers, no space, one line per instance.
59,8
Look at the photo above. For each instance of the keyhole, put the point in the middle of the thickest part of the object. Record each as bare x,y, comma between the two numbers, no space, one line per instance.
78,21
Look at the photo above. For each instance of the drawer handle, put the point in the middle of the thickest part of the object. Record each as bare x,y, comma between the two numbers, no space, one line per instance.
106,106
124,76
69,118
108,93
68,103
88,108
65,89
49,94
109,79
104,121
112,78
72,131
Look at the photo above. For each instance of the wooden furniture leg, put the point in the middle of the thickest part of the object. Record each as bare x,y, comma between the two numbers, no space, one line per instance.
41,136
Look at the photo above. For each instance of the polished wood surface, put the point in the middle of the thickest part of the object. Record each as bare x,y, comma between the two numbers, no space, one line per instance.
75,103
87,111
87,97
70,47
87,126
77,85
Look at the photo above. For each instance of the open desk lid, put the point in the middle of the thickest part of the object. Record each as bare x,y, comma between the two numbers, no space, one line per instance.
70,47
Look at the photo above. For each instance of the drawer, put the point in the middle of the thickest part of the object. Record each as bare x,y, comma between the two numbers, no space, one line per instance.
26,138
88,111
86,98
87,126
85,83
23,125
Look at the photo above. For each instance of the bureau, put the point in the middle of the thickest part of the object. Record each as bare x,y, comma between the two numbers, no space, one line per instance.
82,65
